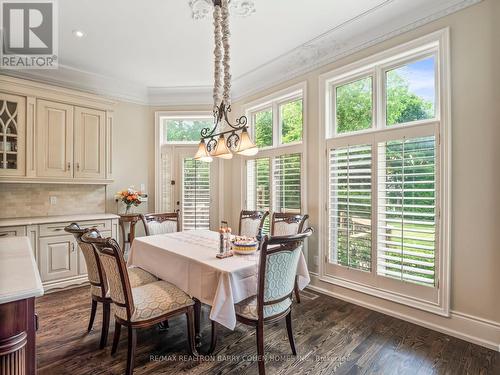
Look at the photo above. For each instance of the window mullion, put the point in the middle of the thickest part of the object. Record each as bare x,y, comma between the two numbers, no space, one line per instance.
375,208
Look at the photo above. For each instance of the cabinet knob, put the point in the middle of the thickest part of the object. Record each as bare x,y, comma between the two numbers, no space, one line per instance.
69,166
77,166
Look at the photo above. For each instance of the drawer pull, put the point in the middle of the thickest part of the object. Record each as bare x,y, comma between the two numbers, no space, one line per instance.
4,234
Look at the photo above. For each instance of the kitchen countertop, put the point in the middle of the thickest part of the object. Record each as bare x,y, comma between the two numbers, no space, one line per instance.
54,219
19,276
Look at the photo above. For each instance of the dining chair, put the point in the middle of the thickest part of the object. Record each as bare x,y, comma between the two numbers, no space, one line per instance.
142,306
251,222
279,257
286,224
97,279
161,223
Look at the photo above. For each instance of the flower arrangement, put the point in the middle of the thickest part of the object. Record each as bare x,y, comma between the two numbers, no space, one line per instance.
130,197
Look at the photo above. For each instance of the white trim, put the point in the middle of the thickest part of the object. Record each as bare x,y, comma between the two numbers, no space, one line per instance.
437,41
463,326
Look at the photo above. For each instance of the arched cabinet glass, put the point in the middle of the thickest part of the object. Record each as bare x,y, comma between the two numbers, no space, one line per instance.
12,123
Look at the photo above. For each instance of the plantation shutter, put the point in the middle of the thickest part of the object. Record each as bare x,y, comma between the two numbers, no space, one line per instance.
286,181
258,186
351,206
407,209
195,194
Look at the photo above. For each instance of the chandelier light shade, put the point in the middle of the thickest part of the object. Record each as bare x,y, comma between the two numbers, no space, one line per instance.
225,137
221,150
202,153
246,146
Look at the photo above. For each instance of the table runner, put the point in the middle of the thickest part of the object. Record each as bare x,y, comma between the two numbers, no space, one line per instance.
187,260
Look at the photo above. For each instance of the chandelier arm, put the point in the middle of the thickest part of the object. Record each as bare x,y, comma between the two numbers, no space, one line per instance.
226,33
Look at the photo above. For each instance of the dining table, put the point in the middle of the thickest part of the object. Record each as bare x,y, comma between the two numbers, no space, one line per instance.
188,260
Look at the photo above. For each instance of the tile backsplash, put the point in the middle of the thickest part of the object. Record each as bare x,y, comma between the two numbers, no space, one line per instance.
27,200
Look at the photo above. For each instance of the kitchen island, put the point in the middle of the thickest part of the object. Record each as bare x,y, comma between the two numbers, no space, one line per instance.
20,283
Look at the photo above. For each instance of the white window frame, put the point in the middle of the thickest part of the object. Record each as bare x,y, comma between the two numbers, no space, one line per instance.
436,43
274,101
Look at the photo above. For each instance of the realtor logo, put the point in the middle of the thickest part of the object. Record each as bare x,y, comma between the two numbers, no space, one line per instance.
29,34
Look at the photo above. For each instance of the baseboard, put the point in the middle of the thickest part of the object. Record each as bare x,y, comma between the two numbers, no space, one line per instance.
463,326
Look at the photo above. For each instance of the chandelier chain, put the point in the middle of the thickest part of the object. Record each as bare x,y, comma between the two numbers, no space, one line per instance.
226,33
218,57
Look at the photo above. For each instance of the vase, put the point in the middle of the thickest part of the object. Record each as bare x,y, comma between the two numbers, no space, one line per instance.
128,209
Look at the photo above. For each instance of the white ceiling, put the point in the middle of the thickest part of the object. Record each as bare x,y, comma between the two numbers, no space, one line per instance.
140,50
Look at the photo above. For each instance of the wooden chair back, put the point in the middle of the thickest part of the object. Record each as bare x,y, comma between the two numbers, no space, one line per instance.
279,259
251,222
96,275
113,263
287,224
161,223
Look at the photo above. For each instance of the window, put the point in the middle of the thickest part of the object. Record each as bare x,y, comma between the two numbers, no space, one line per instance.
183,183
273,180
385,163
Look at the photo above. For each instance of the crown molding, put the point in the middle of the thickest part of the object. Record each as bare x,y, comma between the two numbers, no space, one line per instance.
365,30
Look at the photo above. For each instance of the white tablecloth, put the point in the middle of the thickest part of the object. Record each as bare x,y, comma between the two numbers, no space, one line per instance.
187,259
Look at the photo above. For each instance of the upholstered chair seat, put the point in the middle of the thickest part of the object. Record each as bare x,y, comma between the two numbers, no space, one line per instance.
153,300
248,308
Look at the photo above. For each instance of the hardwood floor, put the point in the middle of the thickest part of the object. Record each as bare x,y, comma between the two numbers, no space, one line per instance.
332,336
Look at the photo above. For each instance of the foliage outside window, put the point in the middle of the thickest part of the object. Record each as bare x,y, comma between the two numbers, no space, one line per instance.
354,106
263,121
291,121
184,130
411,92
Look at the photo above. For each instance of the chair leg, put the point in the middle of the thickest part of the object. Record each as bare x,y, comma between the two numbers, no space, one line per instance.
260,347
197,322
105,324
92,315
296,290
290,333
132,340
213,341
163,325
191,331
116,337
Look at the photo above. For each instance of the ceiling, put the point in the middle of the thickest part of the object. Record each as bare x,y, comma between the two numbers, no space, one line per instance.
153,51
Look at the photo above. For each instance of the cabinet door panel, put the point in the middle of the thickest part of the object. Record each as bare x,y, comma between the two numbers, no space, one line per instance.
58,257
54,133
90,142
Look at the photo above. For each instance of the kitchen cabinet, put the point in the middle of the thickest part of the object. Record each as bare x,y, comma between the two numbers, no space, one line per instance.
49,134
57,254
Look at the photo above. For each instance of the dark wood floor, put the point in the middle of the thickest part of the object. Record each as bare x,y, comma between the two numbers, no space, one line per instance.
332,336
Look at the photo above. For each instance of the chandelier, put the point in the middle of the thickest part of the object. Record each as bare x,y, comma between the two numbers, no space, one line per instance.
225,137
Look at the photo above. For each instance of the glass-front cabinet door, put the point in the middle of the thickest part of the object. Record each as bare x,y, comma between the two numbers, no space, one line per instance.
12,135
